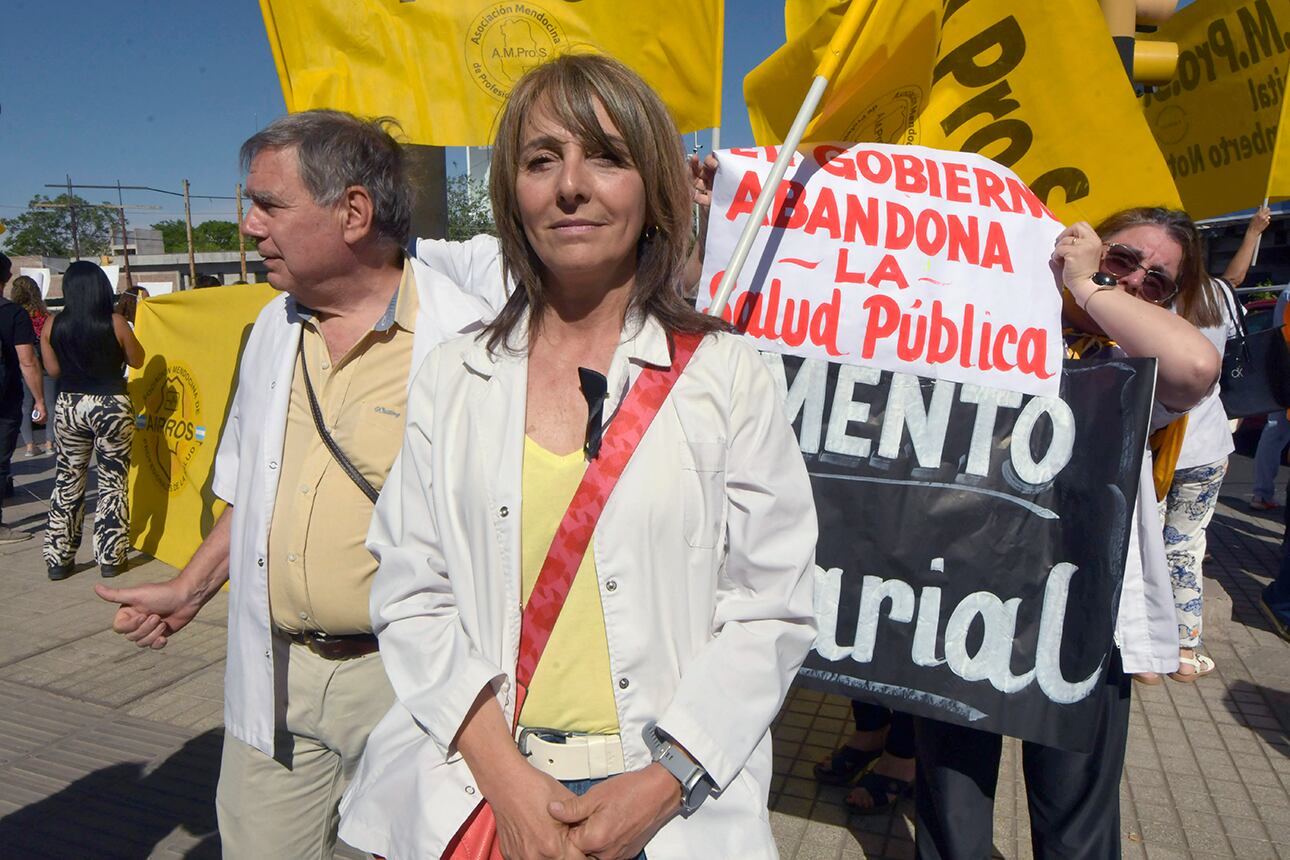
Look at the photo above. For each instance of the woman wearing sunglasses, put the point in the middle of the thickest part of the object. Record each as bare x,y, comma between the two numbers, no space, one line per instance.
1116,283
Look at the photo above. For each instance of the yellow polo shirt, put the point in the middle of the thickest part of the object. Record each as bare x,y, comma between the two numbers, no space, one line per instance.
320,572
572,688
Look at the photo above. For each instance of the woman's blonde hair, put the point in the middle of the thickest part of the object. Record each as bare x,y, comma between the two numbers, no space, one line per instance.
570,88
25,292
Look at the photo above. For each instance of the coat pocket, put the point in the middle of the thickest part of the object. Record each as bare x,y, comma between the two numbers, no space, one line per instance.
703,469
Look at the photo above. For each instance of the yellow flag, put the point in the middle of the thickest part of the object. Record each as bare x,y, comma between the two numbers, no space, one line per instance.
180,398
1217,120
1279,171
444,68
878,90
1038,91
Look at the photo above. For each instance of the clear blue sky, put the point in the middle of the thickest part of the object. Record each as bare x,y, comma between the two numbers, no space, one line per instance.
150,92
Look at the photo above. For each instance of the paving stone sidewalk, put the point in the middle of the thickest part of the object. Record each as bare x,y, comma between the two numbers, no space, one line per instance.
111,752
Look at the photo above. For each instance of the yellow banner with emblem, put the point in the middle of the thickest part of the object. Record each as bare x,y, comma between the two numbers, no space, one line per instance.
879,88
444,69
181,396
1040,91
1217,120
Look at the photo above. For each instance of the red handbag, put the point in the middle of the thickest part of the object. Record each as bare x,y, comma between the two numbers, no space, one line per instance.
477,837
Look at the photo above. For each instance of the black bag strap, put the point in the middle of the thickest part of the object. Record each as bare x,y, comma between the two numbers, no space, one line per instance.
1234,312
337,454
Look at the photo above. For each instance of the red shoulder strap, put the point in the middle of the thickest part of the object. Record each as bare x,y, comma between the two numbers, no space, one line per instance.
574,533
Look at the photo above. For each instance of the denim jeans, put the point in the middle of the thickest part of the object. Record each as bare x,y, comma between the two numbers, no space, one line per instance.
1267,457
581,787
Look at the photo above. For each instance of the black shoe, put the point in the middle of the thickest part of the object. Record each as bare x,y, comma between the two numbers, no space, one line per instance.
107,571
59,571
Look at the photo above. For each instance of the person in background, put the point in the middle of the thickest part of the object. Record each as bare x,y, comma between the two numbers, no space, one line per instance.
86,347
1274,600
879,757
18,364
1275,435
128,302
204,281
1189,503
25,292
1115,282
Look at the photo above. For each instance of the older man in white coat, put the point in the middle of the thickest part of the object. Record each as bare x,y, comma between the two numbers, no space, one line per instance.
316,422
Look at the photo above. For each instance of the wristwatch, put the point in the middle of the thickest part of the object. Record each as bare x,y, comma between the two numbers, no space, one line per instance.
1101,280
695,783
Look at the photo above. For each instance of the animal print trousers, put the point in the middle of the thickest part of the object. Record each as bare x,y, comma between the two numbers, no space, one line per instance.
104,425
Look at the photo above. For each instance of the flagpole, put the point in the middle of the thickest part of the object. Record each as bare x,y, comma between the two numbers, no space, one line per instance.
824,72
1258,241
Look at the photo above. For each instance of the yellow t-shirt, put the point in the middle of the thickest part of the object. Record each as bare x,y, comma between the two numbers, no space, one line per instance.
572,689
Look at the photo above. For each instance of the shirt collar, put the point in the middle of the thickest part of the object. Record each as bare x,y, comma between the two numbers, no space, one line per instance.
401,311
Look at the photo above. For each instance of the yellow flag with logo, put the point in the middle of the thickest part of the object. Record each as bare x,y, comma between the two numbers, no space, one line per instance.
181,396
443,68
1041,92
878,90
1217,120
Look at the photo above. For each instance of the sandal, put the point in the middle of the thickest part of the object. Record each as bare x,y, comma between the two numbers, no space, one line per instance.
884,791
1150,679
844,765
1201,666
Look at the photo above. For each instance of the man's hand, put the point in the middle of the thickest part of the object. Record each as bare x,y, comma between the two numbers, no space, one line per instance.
525,828
150,614
615,819
38,413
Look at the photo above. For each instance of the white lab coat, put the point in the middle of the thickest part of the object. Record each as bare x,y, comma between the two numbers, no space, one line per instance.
246,476
704,556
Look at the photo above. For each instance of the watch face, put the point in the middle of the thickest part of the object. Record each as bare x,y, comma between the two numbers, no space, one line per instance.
1103,279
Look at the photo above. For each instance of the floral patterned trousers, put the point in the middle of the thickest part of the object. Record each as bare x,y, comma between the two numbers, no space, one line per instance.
1186,512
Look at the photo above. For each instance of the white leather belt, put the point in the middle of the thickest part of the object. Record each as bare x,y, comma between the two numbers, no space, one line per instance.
566,756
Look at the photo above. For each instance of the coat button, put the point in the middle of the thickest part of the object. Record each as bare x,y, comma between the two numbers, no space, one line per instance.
260,561
273,464
611,585
623,683
470,789
503,511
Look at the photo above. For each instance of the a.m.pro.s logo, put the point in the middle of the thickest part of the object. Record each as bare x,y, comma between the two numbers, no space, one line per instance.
506,40
170,428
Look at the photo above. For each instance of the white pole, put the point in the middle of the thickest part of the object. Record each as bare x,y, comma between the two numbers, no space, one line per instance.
1258,243
777,171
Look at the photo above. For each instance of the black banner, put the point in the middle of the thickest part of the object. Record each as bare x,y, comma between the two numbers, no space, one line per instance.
972,540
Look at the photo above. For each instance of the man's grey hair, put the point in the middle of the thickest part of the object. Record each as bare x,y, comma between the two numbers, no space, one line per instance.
337,150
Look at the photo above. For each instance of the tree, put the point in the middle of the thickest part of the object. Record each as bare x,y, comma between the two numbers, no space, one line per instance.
469,210
174,236
47,231
207,236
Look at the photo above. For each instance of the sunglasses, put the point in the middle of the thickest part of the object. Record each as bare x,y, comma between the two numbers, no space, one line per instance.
1121,261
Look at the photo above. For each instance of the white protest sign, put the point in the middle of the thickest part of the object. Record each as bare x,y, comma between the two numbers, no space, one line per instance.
113,274
41,277
157,288
897,257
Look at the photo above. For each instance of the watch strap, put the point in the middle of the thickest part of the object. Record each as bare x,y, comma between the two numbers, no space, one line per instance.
696,785
1101,281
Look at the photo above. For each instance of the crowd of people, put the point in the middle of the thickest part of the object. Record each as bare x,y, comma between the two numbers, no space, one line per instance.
510,522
